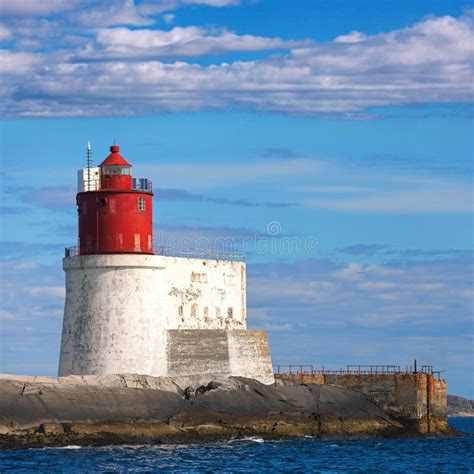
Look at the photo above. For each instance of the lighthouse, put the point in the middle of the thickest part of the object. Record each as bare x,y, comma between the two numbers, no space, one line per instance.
130,311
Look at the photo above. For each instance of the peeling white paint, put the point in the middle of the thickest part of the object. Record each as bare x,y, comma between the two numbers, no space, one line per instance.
119,308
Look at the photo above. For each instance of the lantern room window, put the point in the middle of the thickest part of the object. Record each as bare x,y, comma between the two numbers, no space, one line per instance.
141,204
116,169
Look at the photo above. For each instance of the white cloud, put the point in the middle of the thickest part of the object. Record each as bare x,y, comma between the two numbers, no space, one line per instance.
117,12
5,33
34,7
301,181
333,189
4,315
27,265
28,289
52,197
316,294
451,196
216,175
18,64
213,3
47,291
430,62
353,271
352,37
168,18
98,12
376,285
467,293
188,41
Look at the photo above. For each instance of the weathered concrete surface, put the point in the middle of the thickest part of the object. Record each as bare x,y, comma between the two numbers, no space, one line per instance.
112,322
250,350
203,293
119,309
103,410
196,356
414,397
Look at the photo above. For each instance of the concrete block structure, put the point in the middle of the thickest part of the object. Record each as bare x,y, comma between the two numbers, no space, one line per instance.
130,311
417,398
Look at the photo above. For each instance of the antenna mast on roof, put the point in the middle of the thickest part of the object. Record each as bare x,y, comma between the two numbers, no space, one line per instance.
89,165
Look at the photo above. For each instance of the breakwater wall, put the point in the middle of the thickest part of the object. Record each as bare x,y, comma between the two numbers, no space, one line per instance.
419,398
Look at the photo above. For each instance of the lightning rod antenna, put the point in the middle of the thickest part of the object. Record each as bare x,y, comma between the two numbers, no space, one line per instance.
89,165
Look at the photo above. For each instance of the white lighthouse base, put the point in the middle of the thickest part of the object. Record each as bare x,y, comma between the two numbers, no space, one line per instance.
196,356
162,316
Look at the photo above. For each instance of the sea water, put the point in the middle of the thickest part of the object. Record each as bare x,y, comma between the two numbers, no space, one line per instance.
426,455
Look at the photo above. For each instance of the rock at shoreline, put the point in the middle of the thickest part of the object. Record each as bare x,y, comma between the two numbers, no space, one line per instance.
138,409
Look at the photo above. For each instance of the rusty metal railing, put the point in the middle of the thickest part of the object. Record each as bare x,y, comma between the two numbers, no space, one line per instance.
350,369
292,369
374,369
308,369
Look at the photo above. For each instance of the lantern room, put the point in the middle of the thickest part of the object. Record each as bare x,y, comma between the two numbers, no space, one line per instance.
115,171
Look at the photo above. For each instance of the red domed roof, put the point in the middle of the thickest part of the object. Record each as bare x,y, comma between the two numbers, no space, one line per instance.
115,158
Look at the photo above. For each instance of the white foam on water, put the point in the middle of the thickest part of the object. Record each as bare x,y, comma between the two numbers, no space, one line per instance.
253,439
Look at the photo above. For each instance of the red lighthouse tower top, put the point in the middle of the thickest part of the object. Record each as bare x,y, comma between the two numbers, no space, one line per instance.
115,210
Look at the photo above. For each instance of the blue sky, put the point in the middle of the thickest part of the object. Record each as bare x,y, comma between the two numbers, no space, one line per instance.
345,126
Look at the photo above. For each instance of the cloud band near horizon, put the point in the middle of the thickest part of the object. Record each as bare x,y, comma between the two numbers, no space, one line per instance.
120,70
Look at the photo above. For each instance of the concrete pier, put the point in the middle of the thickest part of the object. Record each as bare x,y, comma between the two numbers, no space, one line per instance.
416,398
